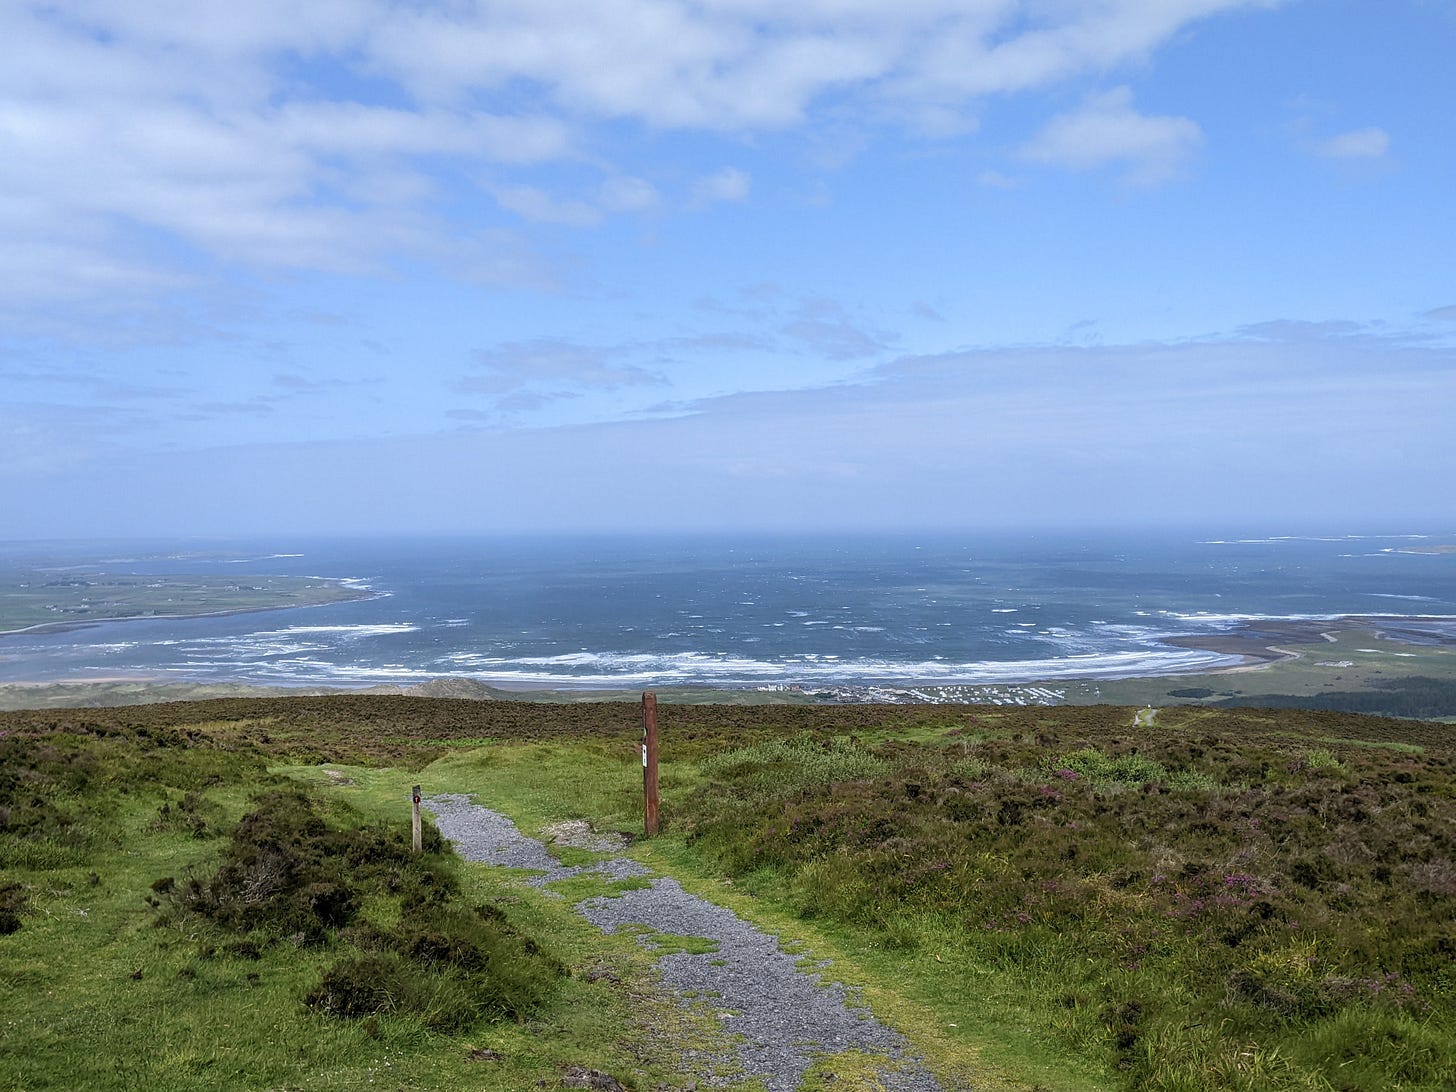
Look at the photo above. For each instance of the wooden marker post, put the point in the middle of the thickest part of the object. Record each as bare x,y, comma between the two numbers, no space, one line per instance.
416,829
649,762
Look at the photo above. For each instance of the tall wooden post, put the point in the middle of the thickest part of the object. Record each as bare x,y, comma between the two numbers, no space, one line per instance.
416,829
649,762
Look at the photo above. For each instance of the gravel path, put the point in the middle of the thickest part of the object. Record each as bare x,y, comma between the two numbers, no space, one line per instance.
783,1012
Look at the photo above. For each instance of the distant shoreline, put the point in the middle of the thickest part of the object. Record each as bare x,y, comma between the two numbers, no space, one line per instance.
1257,643
1255,639
86,623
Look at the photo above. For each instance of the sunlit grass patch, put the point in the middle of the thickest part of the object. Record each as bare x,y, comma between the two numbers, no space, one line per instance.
778,767
670,943
1320,758
594,885
1377,1050
1100,768
849,1071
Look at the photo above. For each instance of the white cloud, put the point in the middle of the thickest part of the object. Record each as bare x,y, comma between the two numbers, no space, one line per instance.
319,136
535,204
354,129
626,194
1369,143
736,64
618,194
1107,129
728,184
993,179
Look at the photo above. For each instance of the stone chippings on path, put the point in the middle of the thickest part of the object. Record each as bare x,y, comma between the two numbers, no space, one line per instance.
480,834
784,1014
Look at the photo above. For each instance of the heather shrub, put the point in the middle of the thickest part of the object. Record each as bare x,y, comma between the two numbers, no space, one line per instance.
790,765
61,791
1223,884
450,968
288,872
14,901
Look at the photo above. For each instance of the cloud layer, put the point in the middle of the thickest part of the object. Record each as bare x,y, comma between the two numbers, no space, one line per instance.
837,261
1288,423
145,143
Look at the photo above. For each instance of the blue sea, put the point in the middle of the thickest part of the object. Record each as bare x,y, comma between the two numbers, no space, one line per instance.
739,612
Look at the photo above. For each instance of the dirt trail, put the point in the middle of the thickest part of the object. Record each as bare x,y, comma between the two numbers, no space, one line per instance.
779,1010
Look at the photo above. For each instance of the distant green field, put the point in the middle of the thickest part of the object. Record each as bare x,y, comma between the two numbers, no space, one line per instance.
1351,668
40,597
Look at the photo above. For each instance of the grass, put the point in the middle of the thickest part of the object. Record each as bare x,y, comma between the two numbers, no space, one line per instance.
1152,899
1039,897
673,943
143,955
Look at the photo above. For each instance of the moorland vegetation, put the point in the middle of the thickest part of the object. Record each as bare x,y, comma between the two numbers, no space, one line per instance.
222,891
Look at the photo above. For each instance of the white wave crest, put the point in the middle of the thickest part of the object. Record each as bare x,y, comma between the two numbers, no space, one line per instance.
377,629
617,669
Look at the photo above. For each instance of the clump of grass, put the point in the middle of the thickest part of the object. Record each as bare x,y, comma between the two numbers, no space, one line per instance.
1128,769
791,765
1378,1050
673,944
450,967
188,815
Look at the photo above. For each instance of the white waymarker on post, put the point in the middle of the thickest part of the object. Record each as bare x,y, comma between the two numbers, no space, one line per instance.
649,763
416,829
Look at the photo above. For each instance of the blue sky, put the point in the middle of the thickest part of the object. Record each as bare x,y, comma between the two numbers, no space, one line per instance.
361,266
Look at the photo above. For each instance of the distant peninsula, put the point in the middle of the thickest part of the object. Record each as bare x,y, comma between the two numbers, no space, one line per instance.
50,600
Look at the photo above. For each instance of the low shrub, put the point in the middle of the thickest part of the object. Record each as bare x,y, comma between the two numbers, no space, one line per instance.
14,901
361,986
1223,876
451,967
287,871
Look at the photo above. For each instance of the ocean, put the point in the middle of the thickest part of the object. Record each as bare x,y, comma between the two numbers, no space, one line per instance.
755,611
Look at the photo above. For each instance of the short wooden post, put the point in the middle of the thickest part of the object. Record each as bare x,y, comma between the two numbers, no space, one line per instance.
416,829
649,762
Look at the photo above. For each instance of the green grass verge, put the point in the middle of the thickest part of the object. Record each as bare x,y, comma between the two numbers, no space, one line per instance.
139,956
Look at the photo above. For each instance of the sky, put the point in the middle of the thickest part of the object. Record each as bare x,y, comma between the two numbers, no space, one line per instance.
480,266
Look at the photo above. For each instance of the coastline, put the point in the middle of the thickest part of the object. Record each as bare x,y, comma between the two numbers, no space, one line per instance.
1255,638
1279,651
86,623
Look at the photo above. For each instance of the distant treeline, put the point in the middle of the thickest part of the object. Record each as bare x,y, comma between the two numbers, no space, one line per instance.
1416,696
